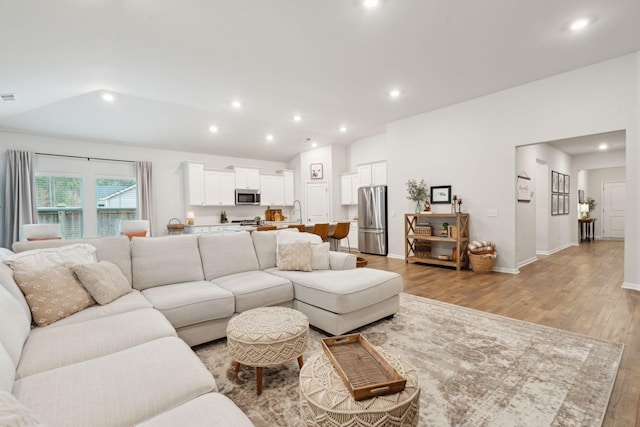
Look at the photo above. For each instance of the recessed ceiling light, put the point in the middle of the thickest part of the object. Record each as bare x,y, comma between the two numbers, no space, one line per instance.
314,144
236,104
394,93
369,4
603,146
579,24
343,128
269,137
297,118
213,129
108,97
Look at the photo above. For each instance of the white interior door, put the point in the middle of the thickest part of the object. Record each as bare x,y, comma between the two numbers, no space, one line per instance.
317,202
613,195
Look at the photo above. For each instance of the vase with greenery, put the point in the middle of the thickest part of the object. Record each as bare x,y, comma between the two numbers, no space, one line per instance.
592,205
417,192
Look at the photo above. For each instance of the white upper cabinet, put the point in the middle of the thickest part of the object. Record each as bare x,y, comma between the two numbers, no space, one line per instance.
194,184
219,188
272,190
349,183
247,178
289,194
373,174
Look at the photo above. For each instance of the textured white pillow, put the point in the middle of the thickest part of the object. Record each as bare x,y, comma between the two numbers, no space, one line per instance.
5,253
37,259
104,281
295,256
320,256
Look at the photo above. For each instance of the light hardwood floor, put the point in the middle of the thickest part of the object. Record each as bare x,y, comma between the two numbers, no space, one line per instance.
577,289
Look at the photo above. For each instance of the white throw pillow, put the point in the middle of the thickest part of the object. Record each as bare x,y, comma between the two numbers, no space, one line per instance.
320,256
37,259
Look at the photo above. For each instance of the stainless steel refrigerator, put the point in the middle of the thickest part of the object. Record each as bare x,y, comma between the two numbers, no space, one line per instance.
372,219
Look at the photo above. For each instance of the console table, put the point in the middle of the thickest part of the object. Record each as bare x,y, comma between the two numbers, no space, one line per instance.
587,226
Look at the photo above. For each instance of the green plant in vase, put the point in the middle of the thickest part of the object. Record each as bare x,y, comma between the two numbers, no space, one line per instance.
417,193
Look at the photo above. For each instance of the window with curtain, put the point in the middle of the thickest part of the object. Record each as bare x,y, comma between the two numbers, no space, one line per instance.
59,201
116,200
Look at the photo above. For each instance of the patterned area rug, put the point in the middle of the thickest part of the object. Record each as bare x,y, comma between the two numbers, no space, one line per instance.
475,369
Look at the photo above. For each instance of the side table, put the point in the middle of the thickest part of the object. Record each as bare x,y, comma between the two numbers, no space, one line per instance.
325,401
587,226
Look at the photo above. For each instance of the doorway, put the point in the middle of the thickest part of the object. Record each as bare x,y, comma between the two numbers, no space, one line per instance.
317,201
613,212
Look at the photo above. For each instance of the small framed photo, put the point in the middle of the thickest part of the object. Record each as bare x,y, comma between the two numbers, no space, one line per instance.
554,204
316,171
441,194
566,204
567,186
560,183
554,181
580,196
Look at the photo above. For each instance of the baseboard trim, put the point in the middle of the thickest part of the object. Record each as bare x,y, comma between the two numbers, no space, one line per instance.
506,270
527,262
631,286
395,256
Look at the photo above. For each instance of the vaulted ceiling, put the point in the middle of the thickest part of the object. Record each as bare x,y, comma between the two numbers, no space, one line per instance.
175,67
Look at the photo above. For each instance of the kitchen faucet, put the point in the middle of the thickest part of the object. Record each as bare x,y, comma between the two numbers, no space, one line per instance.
299,210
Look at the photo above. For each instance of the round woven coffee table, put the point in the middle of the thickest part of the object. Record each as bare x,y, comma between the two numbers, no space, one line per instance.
325,401
267,336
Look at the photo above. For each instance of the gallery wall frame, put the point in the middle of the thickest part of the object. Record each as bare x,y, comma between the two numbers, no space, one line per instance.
560,190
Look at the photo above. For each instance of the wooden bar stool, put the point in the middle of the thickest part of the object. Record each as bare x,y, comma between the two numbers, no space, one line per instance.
266,227
340,232
321,230
300,227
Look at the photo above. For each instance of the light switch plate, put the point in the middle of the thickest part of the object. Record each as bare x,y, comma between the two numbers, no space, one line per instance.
492,212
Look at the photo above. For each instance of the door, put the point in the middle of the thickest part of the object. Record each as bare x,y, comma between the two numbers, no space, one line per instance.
317,202
613,195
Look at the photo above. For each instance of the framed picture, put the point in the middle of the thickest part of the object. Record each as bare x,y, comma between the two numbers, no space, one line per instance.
560,183
580,196
554,181
316,171
554,204
524,189
560,204
441,194
567,186
566,204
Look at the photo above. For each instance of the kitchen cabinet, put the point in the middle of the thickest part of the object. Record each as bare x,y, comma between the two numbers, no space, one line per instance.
421,236
289,194
247,178
353,235
372,174
349,183
219,188
272,190
194,183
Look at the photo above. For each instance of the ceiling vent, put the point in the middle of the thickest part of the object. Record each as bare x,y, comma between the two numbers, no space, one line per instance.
8,97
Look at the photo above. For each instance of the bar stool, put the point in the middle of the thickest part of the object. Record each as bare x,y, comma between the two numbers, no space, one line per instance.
300,227
266,227
340,232
321,230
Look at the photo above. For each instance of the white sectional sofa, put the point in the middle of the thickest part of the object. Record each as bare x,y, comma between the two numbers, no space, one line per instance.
129,363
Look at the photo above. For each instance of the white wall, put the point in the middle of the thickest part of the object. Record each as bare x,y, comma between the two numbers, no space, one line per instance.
367,150
471,146
604,159
167,171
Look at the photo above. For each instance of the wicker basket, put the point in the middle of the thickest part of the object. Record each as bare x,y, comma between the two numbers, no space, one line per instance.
481,263
427,230
175,226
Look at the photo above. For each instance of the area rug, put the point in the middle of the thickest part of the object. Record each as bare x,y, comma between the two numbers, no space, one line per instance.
475,369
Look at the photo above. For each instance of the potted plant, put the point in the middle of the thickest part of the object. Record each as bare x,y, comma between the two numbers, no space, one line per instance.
592,205
417,192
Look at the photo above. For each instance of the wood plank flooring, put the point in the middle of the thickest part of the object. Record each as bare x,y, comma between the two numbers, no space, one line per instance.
577,289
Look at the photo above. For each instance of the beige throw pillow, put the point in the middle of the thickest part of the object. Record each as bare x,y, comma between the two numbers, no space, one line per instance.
52,293
104,281
294,256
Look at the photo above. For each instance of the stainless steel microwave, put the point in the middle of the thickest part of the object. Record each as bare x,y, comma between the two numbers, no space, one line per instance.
247,197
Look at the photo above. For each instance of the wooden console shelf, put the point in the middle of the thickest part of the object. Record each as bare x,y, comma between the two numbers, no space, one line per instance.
418,246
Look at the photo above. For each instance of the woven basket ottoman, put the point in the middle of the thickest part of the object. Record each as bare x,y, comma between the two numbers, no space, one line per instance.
325,401
267,336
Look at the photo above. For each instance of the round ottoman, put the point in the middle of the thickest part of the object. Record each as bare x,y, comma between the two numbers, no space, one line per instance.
267,336
325,401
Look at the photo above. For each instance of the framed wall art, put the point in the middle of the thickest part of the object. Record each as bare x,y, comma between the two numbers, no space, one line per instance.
316,171
554,181
441,194
524,188
554,204
567,186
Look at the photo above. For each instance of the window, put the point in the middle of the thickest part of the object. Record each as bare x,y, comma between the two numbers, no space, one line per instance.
59,201
116,200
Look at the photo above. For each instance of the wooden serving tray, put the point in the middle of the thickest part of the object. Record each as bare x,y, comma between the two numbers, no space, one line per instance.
363,370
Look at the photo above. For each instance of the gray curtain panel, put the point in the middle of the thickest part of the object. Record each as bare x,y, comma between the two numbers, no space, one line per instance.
19,196
144,177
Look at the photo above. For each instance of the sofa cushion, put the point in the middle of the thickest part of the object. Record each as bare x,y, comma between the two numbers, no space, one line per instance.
104,281
49,348
343,291
8,283
192,302
165,260
294,256
211,410
253,289
114,249
52,293
342,261
264,243
15,414
227,253
14,326
131,301
7,370
37,259
119,389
